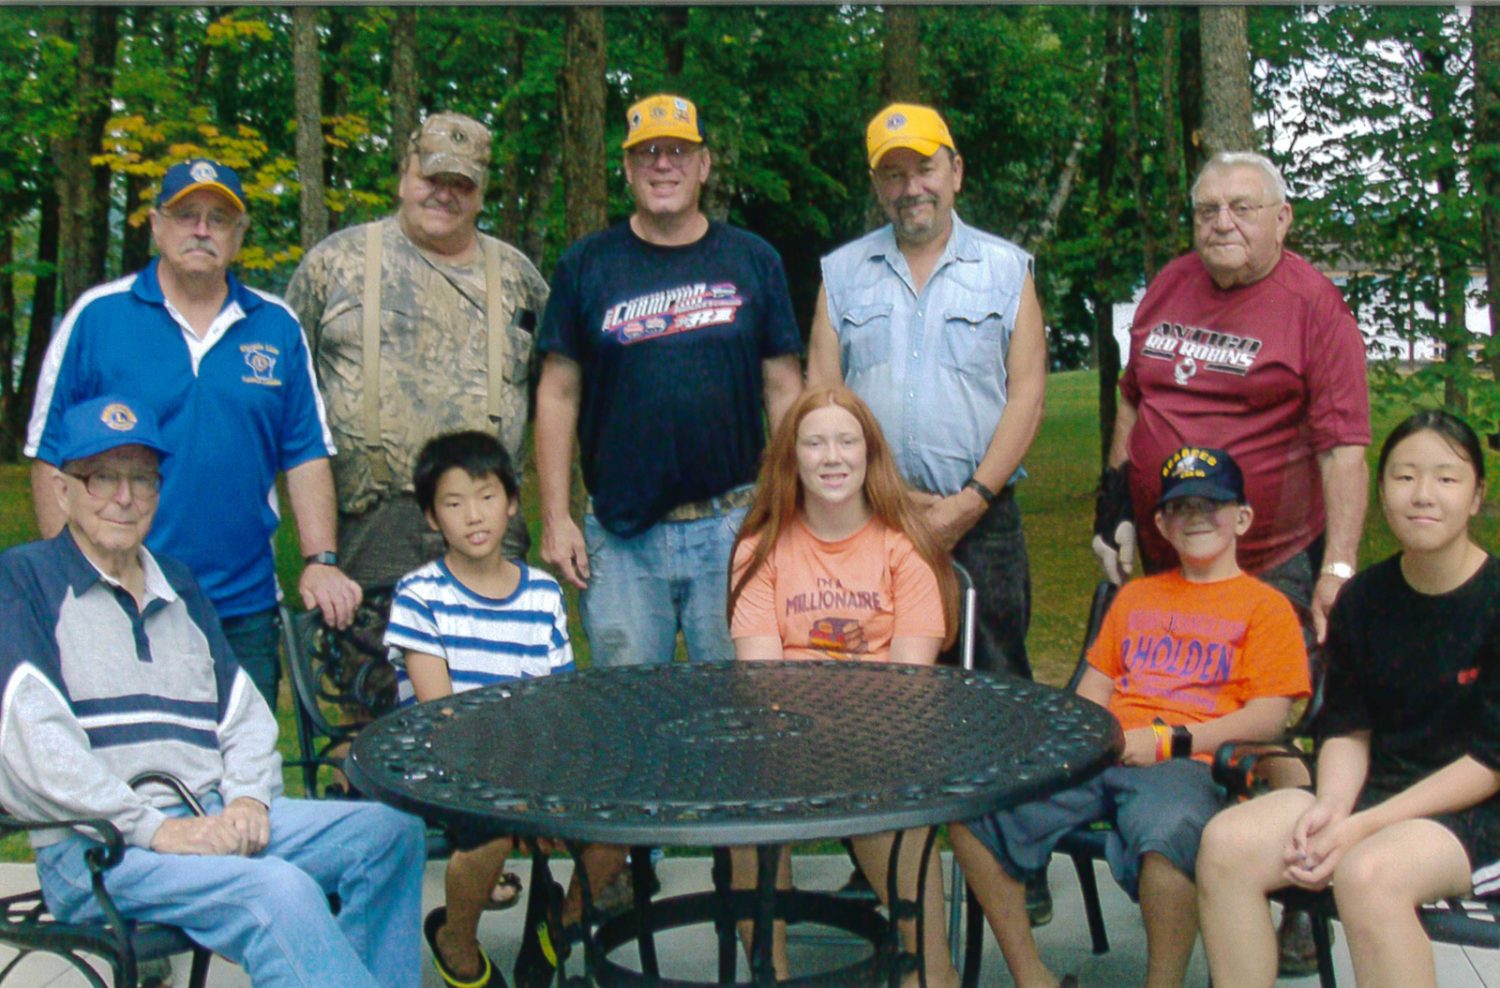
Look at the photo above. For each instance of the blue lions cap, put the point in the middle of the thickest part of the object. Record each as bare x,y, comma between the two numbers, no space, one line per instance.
200,173
103,423
1195,471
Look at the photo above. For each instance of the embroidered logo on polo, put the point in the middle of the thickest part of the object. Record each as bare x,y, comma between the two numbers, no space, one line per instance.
672,311
261,359
1194,349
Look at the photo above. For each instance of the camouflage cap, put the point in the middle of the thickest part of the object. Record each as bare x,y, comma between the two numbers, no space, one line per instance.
452,144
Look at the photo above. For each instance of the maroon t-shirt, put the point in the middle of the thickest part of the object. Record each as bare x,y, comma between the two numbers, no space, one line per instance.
1273,372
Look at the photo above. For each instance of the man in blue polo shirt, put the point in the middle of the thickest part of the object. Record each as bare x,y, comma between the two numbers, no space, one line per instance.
225,370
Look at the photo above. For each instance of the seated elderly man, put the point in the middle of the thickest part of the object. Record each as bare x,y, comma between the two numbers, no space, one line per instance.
113,663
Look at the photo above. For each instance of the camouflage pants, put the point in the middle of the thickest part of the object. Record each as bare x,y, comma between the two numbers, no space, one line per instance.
994,553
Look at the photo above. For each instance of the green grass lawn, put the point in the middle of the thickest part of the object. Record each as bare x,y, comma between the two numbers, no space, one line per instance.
1056,504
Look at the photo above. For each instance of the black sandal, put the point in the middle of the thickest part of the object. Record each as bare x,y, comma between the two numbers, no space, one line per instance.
488,976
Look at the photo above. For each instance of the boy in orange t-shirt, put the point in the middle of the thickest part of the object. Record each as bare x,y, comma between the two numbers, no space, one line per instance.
1185,660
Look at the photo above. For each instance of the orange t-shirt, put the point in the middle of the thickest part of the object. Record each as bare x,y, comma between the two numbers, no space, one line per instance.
838,600
1192,652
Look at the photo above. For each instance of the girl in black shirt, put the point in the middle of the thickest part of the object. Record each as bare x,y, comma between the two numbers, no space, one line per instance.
1406,809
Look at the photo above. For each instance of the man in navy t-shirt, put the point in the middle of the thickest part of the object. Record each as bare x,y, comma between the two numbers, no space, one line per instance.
225,370
664,336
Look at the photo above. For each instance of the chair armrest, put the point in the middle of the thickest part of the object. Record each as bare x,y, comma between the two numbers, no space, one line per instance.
1236,763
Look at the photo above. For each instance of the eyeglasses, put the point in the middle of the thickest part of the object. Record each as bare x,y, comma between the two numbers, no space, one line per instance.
1184,507
106,483
1205,212
677,154
217,220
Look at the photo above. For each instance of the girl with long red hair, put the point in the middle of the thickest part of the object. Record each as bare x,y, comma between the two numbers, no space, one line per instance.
832,561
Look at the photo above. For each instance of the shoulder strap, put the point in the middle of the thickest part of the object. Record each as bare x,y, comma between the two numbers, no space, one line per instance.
371,326
499,335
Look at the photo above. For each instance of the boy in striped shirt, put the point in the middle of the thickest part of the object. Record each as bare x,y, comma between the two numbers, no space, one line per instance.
469,619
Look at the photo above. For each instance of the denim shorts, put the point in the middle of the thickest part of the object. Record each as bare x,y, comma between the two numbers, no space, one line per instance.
1162,808
643,590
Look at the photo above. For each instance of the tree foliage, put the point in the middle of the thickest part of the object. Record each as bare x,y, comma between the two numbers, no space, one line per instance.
1080,128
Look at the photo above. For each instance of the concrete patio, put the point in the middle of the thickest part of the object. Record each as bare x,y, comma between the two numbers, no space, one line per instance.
689,954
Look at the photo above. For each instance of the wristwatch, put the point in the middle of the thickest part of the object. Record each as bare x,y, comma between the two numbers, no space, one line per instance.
1182,742
1341,570
985,494
324,558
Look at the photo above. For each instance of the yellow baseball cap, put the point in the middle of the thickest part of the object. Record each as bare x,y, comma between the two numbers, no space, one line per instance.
907,125
662,115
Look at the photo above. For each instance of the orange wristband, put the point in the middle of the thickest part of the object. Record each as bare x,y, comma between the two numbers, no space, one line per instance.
1163,741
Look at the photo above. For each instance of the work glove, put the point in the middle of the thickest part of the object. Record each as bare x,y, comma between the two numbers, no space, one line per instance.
1114,525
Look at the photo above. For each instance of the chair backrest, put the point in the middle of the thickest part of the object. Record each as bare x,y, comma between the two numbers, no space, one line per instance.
1104,595
968,601
341,680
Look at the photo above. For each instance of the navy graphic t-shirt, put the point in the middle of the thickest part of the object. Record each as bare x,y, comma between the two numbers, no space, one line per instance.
670,341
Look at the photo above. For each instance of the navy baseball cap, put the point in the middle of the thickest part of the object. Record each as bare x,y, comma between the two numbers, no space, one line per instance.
104,423
200,173
1196,471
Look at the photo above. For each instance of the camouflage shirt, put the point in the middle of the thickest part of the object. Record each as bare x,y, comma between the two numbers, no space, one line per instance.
433,351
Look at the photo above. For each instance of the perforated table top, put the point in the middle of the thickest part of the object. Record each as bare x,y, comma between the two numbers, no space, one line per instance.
731,753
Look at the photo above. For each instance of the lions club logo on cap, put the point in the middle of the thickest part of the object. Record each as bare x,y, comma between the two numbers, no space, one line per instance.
895,121
118,416
658,112
203,172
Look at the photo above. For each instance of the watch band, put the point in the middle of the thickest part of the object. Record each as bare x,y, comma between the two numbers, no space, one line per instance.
324,558
1182,742
1339,569
987,495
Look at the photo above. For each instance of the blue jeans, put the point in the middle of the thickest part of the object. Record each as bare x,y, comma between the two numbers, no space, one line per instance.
269,913
672,577
256,640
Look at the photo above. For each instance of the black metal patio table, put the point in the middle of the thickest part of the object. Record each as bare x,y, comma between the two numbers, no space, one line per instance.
737,753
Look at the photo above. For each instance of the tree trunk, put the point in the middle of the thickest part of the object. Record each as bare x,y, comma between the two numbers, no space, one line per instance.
1171,145
583,121
534,228
309,86
135,238
83,188
901,55
1484,23
405,108
1145,213
1190,86
511,210
9,440
43,307
674,24
1106,351
1225,41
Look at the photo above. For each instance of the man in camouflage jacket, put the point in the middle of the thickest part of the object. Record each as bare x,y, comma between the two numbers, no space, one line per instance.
438,344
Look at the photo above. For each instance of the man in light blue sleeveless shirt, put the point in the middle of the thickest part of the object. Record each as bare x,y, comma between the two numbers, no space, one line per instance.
936,325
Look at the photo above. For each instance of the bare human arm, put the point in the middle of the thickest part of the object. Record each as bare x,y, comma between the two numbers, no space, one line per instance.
1257,720
558,396
1346,483
50,517
429,676
309,485
782,377
951,517
758,648
823,367
1343,763
915,651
